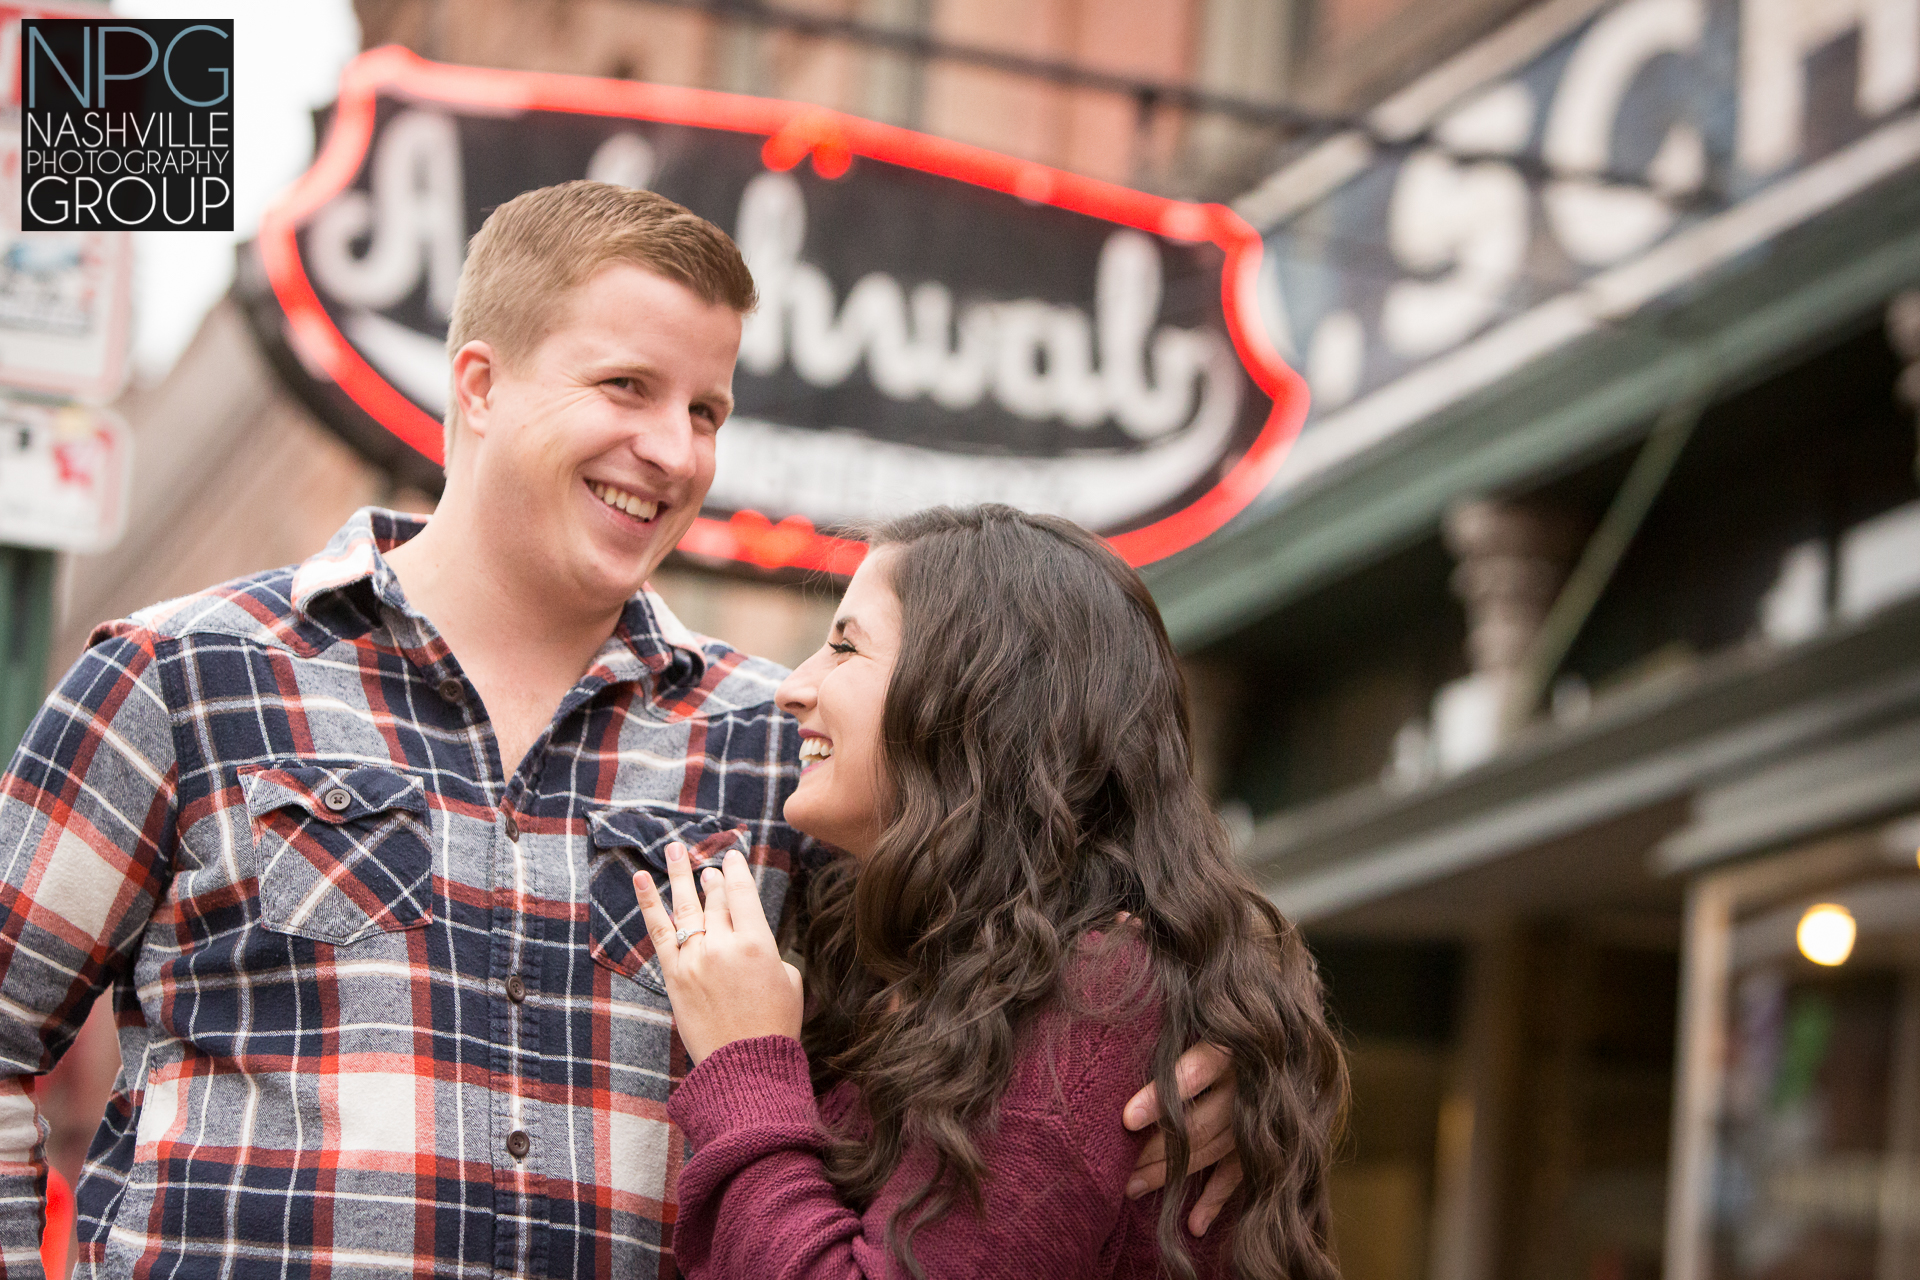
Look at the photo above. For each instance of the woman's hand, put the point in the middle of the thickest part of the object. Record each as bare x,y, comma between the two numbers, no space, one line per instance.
727,981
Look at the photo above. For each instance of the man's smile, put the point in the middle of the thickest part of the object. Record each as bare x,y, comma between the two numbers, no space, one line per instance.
621,500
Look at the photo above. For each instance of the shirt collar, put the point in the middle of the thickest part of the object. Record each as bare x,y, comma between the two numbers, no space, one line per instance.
356,554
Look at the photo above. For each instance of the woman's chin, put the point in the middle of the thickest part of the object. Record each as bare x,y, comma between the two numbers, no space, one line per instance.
799,815
831,834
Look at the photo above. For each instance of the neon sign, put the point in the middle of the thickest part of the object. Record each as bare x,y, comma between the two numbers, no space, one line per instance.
938,323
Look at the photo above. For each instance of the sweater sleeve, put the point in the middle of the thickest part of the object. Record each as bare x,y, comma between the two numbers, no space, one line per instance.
754,1199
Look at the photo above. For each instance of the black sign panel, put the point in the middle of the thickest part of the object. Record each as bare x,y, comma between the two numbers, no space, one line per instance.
937,324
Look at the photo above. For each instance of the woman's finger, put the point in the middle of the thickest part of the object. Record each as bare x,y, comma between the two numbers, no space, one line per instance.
719,908
743,895
686,899
660,925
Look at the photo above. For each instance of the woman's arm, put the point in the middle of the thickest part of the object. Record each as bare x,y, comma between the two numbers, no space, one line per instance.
749,1112
754,1199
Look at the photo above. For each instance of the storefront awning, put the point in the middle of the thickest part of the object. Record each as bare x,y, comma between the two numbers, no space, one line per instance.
1801,712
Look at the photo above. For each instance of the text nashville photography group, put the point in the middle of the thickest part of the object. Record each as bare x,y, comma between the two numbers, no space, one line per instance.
126,126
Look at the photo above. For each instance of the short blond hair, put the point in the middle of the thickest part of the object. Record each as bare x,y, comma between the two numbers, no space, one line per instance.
541,245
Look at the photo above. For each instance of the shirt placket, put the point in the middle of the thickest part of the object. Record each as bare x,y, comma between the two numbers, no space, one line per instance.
513,979
520,1136
513,1131
527,1135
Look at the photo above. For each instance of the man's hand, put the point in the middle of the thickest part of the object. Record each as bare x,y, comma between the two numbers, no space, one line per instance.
1203,1069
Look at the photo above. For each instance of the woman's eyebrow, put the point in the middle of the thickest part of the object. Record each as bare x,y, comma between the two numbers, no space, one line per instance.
846,622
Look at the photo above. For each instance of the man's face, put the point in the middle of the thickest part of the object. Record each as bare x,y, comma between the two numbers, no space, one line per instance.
595,450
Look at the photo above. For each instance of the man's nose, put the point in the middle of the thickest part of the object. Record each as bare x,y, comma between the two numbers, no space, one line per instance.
667,441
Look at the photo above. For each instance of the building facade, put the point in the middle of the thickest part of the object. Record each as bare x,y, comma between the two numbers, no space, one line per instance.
1573,649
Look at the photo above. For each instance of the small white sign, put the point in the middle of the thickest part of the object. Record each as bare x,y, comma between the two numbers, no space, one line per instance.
64,475
66,298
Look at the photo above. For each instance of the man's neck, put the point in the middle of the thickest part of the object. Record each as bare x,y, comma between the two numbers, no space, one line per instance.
486,612
521,649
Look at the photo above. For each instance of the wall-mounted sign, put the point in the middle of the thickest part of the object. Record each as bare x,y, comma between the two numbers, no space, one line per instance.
66,302
64,472
1590,158
937,323
66,297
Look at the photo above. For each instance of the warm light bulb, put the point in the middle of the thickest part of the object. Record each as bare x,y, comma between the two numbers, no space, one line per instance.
1826,934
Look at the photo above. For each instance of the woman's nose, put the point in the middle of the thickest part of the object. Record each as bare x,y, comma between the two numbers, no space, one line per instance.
795,694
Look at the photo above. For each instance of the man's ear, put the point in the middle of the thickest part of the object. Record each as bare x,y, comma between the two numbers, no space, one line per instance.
474,369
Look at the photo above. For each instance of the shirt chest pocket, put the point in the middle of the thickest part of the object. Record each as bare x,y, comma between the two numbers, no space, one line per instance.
633,838
341,852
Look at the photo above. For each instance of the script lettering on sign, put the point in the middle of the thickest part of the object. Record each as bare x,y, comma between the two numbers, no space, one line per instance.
1559,177
937,323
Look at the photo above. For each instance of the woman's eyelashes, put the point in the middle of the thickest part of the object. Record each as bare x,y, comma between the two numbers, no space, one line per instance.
841,647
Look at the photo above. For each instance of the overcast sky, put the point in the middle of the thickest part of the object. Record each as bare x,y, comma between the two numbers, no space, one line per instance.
288,55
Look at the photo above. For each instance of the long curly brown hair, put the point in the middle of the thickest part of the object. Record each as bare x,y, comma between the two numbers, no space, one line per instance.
1036,744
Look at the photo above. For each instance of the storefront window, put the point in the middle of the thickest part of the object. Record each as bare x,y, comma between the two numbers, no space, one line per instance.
1812,1112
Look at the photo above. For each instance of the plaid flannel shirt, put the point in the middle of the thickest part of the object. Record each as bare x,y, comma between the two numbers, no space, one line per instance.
383,1009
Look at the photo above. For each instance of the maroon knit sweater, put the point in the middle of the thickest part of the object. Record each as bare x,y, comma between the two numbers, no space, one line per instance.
755,1203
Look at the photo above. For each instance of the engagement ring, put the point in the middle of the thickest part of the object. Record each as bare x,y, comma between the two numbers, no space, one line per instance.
680,938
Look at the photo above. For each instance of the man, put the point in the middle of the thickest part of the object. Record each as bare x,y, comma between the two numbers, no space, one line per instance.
353,842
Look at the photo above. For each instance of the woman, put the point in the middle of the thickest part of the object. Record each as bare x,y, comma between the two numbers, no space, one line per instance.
1037,905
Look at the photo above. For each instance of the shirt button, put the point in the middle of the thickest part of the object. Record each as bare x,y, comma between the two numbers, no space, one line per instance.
518,1144
513,827
453,691
337,799
516,989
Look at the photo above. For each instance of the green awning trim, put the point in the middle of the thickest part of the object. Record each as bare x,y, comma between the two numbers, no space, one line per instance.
1741,711
1770,305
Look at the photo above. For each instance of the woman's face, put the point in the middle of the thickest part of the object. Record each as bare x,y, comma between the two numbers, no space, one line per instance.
837,695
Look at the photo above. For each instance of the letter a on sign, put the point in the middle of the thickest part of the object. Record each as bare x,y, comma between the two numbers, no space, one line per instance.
937,323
